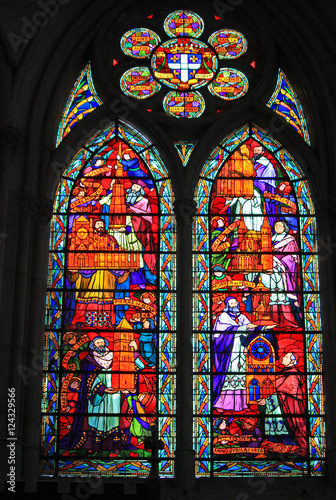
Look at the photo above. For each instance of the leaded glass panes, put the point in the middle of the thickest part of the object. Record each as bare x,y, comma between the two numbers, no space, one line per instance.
229,84
258,394
82,101
109,372
184,63
229,44
183,23
285,102
184,104
139,43
138,82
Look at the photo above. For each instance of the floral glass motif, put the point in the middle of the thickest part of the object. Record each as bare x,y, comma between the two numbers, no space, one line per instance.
285,102
138,82
229,84
109,372
185,63
82,101
184,104
183,23
258,392
229,44
139,42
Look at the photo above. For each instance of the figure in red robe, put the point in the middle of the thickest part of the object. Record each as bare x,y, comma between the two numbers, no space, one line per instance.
285,410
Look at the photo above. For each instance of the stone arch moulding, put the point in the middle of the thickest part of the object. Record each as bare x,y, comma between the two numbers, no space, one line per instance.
109,374
257,324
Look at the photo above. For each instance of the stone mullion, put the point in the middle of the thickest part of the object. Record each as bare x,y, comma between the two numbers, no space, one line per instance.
35,344
18,355
185,456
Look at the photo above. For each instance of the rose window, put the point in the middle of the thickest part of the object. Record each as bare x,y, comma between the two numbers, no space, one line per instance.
184,63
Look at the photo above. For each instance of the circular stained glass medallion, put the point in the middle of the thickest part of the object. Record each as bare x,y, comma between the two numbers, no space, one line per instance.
260,350
184,63
183,23
139,83
228,44
229,84
139,42
184,104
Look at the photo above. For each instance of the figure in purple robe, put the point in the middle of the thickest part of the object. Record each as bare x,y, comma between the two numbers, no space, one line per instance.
89,369
233,332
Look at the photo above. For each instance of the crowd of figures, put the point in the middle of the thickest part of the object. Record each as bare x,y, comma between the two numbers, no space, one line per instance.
109,355
109,344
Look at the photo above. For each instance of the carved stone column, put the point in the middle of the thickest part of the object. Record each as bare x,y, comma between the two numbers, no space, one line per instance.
34,343
21,215
185,456
9,139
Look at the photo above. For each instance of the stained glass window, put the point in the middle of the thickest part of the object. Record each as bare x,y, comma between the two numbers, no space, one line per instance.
82,101
229,44
138,82
184,104
285,102
229,84
110,319
184,63
139,43
258,391
183,23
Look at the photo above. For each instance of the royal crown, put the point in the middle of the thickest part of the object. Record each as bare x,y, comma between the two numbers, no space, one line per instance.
185,47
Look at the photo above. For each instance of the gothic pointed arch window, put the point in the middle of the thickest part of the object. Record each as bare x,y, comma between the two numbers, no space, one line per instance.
257,325
109,374
110,318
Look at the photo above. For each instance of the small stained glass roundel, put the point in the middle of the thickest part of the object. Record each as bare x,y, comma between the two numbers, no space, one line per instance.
229,44
138,82
260,350
139,42
229,84
183,23
184,63
184,104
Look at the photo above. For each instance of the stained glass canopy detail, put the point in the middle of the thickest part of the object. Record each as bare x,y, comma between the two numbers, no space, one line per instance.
229,84
229,44
183,23
184,63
